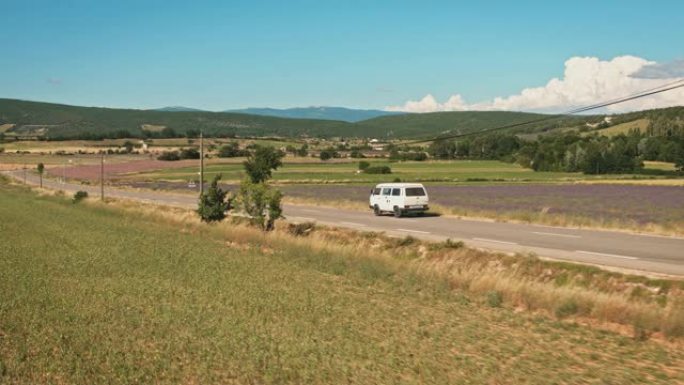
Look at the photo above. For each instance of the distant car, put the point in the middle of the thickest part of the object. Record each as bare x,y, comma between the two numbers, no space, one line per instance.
399,199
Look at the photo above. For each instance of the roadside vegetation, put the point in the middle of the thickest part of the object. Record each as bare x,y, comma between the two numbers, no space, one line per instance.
169,299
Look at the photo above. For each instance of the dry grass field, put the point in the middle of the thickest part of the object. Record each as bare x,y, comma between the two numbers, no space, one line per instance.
127,293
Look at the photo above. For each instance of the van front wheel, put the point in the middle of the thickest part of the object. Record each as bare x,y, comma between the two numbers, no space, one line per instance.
397,212
376,210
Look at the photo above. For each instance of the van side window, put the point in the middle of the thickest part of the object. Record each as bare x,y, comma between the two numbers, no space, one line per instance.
415,192
376,191
386,191
396,192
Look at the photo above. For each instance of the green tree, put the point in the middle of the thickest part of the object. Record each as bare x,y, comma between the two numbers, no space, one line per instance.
261,202
262,162
230,150
213,204
41,169
304,150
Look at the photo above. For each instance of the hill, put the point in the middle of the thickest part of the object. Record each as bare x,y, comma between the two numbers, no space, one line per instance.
329,113
57,121
63,121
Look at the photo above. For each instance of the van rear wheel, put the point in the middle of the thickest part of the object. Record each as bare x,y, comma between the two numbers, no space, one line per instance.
376,210
397,212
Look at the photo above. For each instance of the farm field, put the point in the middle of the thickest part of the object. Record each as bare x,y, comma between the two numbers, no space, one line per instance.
630,206
108,296
346,172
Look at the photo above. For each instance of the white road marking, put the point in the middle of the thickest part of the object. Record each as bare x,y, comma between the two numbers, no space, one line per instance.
551,227
605,254
353,224
494,241
556,234
414,231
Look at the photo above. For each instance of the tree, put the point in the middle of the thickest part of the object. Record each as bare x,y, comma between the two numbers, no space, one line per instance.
169,156
230,150
213,205
41,169
261,203
304,150
128,146
328,153
262,162
189,153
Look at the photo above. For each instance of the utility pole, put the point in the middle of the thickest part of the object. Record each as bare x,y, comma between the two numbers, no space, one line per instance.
201,182
102,177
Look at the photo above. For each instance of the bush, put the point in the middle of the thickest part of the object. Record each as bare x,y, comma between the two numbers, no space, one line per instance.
2,149
231,150
301,229
261,203
328,154
566,309
169,156
494,298
189,153
363,165
213,204
378,170
79,196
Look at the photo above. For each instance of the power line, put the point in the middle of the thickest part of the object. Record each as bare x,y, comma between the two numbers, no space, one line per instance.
651,91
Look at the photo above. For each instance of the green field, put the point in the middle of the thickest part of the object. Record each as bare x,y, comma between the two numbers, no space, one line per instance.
346,172
95,295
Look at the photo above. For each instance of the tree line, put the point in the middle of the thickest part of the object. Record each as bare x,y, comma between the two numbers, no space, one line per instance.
571,151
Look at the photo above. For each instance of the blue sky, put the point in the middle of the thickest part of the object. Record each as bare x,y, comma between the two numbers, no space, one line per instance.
371,54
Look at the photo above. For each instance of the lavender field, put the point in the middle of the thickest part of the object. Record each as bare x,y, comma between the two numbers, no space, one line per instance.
640,205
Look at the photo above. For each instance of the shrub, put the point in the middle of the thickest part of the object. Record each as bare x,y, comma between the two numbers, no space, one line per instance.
301,229
169,156
449,244
189,153
2,149
328,154
566,309
378,170
79,196
213,205
231,150
261,203
363,165
406,241
494,298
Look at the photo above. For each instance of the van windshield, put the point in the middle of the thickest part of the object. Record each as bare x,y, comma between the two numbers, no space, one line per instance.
415,192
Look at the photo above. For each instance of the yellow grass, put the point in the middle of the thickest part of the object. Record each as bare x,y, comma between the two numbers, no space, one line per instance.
624,128
523,282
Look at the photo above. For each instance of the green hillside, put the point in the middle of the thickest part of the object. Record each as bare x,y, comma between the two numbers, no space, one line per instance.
463,122
56,121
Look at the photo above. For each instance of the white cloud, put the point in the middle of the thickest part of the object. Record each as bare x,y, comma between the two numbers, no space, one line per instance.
586,81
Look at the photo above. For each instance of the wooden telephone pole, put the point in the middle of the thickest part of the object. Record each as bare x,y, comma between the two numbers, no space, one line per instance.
201,181
102,177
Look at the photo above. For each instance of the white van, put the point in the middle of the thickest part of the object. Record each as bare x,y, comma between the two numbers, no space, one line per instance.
399,199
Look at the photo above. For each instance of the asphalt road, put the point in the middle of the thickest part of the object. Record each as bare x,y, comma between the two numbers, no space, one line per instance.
612,249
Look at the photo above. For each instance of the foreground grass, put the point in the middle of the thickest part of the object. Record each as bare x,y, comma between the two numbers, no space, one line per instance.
94,295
